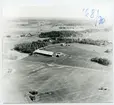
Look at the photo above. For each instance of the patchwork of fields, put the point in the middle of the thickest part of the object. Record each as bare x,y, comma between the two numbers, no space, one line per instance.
65,83
70,78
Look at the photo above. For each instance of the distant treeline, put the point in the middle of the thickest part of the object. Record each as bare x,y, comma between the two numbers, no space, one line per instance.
69,33
79,40
54,34
30,47
57,37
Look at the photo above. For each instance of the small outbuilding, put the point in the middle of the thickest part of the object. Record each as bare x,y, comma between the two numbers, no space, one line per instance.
28,35
62,44
58,54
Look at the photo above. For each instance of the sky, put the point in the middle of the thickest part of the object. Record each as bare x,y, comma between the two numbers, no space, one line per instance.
56,8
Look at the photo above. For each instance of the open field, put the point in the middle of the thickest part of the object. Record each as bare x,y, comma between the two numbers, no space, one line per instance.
9,43
76,55
66,84
100,35
34,26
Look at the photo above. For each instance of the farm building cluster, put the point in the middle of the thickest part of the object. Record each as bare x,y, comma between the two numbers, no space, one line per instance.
47,53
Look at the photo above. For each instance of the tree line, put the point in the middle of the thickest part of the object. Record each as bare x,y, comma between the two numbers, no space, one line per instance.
54,37
30,46
82,41
60,34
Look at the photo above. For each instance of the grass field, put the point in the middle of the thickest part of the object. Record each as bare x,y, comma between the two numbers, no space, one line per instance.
73,78
65,83
76,55
100,35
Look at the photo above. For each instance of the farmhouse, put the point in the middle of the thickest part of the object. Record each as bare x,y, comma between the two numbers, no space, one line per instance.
43,52
28,35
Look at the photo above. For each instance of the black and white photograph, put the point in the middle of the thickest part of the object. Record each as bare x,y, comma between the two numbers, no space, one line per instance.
56,51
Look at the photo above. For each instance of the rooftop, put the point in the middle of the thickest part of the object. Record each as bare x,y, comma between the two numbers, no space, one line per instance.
44,52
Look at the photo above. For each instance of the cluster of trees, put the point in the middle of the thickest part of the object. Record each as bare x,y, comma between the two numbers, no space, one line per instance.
62,37
54,37
94,42
30,47
102,61
80,40
54,34
66,33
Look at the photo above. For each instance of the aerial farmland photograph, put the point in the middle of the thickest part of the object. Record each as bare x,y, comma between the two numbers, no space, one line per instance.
57,60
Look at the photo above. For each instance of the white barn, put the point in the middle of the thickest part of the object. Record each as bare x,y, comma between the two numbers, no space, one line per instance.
43,52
